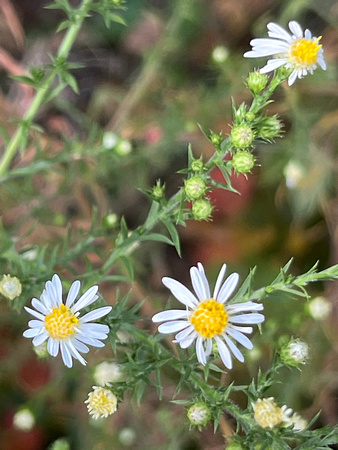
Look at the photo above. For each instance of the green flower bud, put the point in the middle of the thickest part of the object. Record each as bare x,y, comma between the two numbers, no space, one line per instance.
60,444
257,81
250,116
242,136
295,353
123,147
202,209
195,187
220,54
269,127
110,220
240,113
216,139
197,165
243,161
157,192
199,414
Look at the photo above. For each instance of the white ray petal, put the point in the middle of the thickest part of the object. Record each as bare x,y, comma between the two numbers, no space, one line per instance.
53,346
40,338
239,337
233,348
296,29
200,351
35,313
73,293
65,353
224,352
250,319
172,327
171,314
85,300
219,280
180,292
228,288
96,314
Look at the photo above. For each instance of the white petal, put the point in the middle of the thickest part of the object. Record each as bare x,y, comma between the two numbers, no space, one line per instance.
321,62
224,352
172,327
51,293
73,292
66,356
292,78
273,64
53,346
36,324
80,346
219,280
200,282
253,318
57,287
187,342
44,298
239,337
35,313
228,287
74,353
276,31
31,332
180,292
245,306
90,341
86,299
247,330
96,314
89,328
40,338
171,314
296,29
200,351
233,348
182,335
39,306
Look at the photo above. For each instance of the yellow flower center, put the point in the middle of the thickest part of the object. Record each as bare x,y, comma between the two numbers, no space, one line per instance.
61,323
101,402
303,52
267,413
210,318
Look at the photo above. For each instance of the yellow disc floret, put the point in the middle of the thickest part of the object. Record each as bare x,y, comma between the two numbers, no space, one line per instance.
61,323
303,52
209,319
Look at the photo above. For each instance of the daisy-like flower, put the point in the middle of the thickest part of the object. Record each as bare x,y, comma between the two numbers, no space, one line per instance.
299,51
61,325
209,319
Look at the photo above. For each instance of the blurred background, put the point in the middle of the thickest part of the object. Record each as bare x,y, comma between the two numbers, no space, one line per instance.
143,89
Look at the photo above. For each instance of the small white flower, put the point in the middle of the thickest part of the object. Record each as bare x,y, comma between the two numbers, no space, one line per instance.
207,319
294,173
297,421
298,51
61,325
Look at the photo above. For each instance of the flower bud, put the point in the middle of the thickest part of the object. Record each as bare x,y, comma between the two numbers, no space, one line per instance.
110,220
220,54
319,308
109,140
10,287
123,147
41,350
24,420
60,444
195,187
199,414
243,161
242,136
202,209
216,140
295,353
106,373
269,127
257,81
267,414
157,192
197,165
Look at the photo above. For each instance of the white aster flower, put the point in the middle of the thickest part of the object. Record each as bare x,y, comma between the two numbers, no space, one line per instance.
61,325
207,318
299,51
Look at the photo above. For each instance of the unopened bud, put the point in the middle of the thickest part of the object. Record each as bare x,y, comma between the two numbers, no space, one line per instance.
295,353
195,187
202,209
257,82
242,136
243,161
199,414
10,287
269,127
197,165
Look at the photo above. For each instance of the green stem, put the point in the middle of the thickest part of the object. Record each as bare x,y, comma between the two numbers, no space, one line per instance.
40,96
